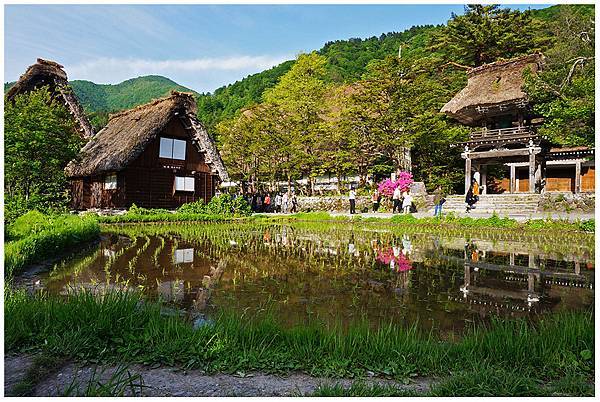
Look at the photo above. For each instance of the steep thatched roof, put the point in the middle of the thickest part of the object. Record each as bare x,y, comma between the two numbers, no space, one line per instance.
50,73
128,133
494,86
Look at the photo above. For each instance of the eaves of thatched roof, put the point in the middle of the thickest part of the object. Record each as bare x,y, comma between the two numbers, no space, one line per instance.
51,74
496,85
128,133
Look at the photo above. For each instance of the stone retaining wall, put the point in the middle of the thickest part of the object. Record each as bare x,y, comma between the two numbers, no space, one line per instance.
363,203
567,202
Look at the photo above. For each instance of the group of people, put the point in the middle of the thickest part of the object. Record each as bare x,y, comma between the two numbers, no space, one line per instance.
402,201
280,203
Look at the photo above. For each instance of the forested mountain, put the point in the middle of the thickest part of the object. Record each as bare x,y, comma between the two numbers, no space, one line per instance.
347,61
125,95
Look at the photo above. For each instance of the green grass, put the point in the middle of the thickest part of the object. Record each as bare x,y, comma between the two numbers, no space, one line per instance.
482,382
119,328
448,220
34,237
162,217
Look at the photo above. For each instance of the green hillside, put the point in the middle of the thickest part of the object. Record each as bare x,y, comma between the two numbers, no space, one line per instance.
347,61
102,98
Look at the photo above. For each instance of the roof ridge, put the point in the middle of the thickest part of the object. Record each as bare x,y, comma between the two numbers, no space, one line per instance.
528,58
174,95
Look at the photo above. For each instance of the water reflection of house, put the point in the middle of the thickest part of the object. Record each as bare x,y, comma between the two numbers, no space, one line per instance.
183,256
512,287
171,291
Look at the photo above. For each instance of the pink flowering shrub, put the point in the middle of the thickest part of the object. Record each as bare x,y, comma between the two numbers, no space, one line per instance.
387,186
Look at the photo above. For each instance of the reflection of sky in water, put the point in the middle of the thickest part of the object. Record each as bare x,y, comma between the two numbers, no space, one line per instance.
339,275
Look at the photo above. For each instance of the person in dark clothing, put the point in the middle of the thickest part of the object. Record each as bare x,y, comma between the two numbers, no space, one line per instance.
470,199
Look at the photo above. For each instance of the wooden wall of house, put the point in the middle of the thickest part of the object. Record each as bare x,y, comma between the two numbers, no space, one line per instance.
560,178
149,181
588,179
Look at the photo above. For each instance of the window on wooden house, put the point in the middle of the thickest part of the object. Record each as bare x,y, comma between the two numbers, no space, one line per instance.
184,183
110,182
172,149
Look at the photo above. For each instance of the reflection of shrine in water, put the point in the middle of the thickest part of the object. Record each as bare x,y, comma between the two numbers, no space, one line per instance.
494,282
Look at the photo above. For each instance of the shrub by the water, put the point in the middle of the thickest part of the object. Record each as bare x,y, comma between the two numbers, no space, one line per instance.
35,236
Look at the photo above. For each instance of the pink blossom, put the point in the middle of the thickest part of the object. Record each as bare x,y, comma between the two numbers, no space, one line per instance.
387,186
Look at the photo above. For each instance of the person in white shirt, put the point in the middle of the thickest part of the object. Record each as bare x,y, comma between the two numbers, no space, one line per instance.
352,199
285,203
397,198
406,204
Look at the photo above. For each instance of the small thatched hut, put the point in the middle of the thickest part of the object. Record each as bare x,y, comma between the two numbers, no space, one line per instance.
51,74
157,155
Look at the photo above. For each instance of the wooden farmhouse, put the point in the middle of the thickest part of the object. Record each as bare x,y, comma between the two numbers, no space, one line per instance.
505,134
51,74
157,155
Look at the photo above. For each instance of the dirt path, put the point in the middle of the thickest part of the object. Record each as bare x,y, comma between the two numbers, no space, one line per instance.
164,381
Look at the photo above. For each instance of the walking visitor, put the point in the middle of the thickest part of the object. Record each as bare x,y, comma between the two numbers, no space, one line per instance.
352,199
407,202
267,203
375,198
438,201
470,199
397,198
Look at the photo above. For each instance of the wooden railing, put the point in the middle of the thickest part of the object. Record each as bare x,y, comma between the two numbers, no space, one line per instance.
502,132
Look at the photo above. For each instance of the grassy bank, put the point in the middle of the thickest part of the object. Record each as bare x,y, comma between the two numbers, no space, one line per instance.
34,237
84,327
448,220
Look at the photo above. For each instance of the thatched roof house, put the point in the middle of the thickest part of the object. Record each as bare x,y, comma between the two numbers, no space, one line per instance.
130,147
51,74
492,86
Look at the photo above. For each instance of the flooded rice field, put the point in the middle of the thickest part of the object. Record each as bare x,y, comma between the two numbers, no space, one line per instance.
339,273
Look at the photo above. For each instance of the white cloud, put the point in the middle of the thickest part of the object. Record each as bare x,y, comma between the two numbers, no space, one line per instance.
115,70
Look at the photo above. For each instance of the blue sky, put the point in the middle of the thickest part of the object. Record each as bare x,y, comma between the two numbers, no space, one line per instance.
200,46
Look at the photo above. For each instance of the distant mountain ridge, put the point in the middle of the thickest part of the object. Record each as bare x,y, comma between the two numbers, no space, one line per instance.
104,98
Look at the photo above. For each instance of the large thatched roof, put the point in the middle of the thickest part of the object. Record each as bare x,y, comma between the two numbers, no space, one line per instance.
50,73
492,88
128,133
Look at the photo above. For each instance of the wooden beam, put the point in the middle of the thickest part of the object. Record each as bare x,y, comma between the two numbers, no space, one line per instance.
578,177
532,172
502,153
513,187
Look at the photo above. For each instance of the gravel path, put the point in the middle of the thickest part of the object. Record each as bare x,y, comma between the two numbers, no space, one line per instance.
164,381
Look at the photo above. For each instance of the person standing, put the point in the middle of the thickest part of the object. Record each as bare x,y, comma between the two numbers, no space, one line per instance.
375,198
278,202
469,199
438,201
396,198
285,202
294,202
267,203
352,199
407,202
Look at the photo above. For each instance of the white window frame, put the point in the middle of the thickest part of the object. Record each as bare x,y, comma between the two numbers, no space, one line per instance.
110,181
171,148
185,183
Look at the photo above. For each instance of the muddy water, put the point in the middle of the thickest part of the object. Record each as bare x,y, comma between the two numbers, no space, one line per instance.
339,273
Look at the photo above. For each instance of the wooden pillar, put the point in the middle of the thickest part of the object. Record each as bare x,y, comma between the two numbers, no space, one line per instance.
484,178
577,177
512,259
531,172
513,183
467,174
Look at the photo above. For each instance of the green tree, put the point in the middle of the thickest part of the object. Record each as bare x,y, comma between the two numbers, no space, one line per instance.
486,33
564,91
300,96
40,138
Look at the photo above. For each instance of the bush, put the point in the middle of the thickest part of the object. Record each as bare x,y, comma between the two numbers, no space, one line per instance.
197,207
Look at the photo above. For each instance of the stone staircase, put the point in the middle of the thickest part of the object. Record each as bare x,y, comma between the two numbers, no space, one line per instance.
514,204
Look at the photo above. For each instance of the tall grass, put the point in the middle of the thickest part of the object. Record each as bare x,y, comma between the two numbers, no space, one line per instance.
34,237
120,327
